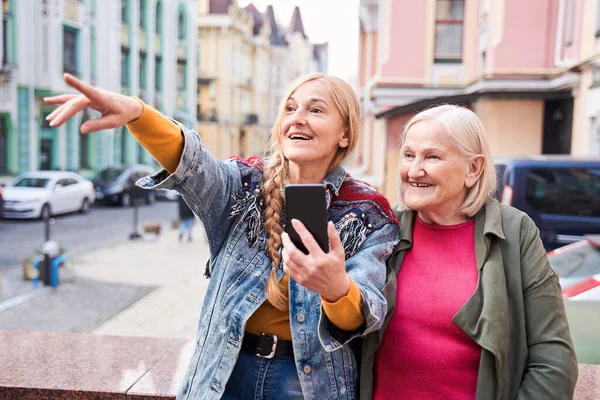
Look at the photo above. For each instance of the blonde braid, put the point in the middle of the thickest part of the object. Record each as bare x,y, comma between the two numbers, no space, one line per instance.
275,173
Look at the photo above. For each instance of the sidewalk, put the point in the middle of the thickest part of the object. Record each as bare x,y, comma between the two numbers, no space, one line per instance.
151,287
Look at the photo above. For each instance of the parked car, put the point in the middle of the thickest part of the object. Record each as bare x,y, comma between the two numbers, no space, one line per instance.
578,268
46,193
1,201
166,194
560,193
117,185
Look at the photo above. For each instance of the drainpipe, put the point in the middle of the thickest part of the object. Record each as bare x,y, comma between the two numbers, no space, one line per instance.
558,60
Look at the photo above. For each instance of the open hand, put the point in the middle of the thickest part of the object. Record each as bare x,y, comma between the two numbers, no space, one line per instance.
323,273
116,109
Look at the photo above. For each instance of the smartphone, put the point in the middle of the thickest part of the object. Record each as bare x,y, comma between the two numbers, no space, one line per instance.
308,204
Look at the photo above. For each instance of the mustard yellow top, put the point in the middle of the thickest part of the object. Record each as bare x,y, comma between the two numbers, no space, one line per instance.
164,141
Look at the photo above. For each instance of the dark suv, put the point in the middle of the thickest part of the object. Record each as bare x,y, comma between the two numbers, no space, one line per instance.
117,185
560,193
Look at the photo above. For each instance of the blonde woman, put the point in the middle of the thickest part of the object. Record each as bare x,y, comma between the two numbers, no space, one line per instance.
475,311
276,323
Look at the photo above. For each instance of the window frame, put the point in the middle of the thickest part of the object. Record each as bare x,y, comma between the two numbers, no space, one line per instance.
442,57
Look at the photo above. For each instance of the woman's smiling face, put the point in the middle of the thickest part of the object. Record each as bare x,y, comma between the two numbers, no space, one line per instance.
312,128
433,172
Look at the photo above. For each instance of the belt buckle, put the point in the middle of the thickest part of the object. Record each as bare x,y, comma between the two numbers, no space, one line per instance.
273,347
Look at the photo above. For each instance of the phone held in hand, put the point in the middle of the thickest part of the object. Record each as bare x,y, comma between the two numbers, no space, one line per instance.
308,204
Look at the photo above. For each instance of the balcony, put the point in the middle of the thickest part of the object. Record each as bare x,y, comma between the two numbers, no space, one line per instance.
71,10
125,35
142,42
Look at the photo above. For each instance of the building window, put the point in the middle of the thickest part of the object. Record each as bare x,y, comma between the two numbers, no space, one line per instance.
143,14
93,53
3,145
570,21
448,30
181,26
124,67
5,41
158,74
142,71
84,156
7,20
158,18
181,75
69,50
125,11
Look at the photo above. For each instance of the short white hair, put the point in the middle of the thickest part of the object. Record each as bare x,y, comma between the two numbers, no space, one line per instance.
467,131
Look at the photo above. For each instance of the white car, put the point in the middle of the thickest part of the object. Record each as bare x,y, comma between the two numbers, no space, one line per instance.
43,194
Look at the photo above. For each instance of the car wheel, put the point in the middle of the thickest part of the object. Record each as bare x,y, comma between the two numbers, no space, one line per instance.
45,213
150,198
125,200
85,206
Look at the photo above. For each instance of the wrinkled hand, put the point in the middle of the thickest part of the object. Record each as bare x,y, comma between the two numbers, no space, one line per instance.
323,273
116,109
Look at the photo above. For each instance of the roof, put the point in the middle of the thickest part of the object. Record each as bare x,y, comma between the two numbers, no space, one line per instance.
277,37
296,25
219,6
256,16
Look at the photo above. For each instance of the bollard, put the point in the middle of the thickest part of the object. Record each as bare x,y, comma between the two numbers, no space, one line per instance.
135,234
47,264
47,223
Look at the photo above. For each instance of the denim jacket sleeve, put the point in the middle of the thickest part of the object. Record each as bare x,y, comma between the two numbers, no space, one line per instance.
367,268
207,185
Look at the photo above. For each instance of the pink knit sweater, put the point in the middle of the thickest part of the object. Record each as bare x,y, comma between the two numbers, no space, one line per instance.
424,355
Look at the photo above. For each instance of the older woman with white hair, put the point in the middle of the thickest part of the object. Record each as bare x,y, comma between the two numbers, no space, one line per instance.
474,309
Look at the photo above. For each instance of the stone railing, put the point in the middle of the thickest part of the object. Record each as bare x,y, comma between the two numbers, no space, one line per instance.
74,366
81,366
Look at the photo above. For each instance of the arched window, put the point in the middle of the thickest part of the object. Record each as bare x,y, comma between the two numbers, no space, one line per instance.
181,26
158,18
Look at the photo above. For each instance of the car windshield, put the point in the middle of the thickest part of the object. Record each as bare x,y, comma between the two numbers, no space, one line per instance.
110,174
32,182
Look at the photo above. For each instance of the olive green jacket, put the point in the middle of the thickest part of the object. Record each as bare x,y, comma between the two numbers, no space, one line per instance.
516,314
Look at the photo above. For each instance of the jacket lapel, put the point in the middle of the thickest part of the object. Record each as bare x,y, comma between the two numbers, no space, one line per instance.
484,317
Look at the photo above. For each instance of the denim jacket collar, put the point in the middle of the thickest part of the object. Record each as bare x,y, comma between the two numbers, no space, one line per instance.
333,181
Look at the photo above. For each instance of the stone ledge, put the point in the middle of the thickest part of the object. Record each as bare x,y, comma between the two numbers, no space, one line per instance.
51,365
81,366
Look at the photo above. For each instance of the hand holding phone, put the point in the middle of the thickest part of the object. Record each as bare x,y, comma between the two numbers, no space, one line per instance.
308,204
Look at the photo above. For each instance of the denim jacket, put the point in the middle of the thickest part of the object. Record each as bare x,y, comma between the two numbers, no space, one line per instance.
227,197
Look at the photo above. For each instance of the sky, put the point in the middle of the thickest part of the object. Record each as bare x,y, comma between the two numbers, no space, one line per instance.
332,21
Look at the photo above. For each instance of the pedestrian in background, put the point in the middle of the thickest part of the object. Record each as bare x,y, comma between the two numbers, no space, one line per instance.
276,323
186,219
474,309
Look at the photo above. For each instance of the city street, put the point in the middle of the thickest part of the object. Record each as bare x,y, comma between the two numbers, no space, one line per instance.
76,233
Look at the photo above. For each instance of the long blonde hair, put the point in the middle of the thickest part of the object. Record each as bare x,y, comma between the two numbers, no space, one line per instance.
276,170
465,128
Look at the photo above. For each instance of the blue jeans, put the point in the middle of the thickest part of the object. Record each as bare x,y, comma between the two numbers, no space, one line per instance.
185,225
257,378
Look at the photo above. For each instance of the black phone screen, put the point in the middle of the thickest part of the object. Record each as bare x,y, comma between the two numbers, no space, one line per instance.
308,204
